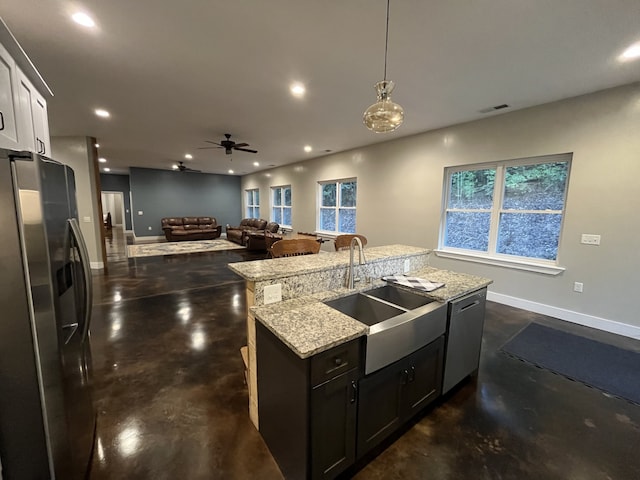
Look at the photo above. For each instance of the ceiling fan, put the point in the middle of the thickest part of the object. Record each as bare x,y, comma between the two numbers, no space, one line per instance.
181,167
229,145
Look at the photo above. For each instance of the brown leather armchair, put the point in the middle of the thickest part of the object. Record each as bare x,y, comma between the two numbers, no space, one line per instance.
240,234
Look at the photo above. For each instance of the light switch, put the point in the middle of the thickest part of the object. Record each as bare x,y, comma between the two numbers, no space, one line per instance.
140,212
273,293
86,219
589,239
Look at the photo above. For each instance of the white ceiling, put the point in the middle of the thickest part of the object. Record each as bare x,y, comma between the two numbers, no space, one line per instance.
174,74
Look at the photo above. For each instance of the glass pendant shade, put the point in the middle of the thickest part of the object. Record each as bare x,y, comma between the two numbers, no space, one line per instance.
384,115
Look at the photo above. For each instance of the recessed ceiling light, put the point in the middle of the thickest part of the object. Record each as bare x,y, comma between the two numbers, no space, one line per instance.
102,160
83,19
107,169
297,89
256,164
630,53
102,113
307,148
230,171
188,156
97,145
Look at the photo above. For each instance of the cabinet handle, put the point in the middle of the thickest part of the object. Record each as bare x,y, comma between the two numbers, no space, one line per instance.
412,374
1,121
405,377
338,361
354,392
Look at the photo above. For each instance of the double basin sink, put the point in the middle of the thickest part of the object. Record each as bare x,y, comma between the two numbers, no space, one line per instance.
400,322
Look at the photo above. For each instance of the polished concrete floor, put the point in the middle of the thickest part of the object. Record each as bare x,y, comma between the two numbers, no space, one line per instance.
172,403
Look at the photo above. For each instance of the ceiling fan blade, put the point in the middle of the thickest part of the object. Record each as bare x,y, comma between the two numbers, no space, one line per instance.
215,143
240,145
245,150
207,148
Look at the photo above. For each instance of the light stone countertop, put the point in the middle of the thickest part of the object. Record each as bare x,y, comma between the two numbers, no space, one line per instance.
260,270
308,326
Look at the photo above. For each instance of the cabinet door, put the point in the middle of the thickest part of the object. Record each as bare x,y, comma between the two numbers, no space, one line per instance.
424,378
333,425
40,124
26,93
379,407
8,124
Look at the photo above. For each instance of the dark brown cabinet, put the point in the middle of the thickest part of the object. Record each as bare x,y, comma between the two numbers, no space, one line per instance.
392,395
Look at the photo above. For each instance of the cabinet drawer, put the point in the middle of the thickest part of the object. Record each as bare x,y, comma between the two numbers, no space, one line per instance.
334,362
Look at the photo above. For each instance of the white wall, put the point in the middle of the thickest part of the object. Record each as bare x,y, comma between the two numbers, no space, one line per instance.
79,154
400,197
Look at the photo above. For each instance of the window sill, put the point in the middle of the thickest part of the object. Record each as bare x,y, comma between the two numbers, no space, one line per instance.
530,266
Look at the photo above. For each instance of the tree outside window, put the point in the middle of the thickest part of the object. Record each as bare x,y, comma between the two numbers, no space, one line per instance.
253,203
337,210
508,208
281,205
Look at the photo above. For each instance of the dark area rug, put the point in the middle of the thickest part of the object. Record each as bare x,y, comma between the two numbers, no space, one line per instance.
611,369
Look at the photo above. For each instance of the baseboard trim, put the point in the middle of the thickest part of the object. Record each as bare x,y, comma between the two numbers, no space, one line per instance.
96,265
150,238
605,324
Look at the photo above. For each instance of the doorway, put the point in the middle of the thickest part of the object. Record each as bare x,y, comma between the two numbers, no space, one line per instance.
114,225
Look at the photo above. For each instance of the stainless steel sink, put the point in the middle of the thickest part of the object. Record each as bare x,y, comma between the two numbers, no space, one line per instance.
365,309
400,322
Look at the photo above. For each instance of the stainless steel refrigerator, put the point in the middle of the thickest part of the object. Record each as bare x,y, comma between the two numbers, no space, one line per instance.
47,418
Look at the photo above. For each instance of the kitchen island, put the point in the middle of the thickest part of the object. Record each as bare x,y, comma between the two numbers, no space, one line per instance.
312,356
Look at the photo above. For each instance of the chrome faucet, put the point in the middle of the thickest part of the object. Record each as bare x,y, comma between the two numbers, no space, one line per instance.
361,260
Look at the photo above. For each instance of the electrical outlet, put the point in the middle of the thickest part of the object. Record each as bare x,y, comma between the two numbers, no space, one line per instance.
578,286
273,293
407,265
589,239
86,219
140,212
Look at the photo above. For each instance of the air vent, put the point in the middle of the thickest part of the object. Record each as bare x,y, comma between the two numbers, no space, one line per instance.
493,109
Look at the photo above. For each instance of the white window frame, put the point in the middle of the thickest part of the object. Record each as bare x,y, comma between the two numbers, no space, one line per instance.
282,207
336,208
491,257
250,192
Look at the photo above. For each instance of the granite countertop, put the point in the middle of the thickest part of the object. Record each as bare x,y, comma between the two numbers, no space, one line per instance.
258,270
308,326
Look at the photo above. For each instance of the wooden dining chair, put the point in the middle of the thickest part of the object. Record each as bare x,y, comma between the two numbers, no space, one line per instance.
343,242
294,247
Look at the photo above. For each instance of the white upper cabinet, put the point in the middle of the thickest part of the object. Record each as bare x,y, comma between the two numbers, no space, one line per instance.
24,123
8,127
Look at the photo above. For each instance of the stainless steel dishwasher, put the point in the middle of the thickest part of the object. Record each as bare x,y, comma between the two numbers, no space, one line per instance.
464,339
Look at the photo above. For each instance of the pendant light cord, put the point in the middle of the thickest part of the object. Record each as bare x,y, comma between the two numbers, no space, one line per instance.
386,43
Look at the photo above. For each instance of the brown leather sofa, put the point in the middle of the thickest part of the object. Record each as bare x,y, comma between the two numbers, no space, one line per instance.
240,233
178,229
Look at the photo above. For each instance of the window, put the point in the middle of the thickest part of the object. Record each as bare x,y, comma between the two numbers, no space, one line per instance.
281,205
506,210
337,211
253,203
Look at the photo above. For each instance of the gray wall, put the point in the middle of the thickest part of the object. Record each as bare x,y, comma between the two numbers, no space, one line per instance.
80,154
118,183
163,193
400,197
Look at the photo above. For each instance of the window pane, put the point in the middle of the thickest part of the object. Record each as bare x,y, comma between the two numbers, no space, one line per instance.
329,195
529,234
328,219
287,196
347,220
286,217
249,197
348,194
277,215
535,187
472,189
468,230
277,196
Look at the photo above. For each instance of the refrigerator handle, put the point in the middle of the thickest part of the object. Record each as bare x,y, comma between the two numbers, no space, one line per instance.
86,270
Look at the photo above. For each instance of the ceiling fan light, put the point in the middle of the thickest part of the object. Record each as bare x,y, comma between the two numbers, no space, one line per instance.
384,115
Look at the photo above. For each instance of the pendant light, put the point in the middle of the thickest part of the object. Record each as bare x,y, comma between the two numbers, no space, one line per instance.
384,115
